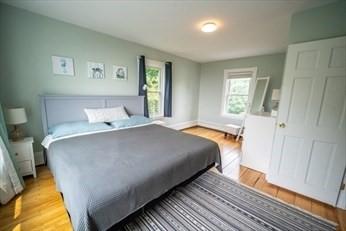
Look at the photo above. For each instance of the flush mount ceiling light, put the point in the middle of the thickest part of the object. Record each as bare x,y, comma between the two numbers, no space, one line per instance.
209,27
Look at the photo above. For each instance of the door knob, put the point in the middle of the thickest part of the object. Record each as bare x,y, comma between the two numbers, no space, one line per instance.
282,125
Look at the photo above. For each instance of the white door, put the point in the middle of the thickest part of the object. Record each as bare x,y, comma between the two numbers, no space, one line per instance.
309,151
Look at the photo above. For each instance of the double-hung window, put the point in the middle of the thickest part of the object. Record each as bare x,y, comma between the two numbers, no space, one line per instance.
155,72
237,91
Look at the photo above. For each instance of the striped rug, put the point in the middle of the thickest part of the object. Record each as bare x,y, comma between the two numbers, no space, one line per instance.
214,202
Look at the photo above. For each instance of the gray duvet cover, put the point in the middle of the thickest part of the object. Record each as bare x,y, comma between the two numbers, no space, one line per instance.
104,177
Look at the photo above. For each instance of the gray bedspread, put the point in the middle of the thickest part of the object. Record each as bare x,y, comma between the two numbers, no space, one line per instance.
104,177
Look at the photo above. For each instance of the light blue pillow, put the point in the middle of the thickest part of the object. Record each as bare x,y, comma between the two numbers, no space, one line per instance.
132,121
72,128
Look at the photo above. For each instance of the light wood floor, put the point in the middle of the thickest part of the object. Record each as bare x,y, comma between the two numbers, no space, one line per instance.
230,153
40,207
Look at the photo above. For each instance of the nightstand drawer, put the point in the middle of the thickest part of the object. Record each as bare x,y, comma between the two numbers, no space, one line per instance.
25,167
22,152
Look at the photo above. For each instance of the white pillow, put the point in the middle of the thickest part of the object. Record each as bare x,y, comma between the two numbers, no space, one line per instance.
106,114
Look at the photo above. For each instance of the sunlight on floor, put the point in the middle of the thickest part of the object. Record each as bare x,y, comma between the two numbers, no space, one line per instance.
17,228
234,173
17,207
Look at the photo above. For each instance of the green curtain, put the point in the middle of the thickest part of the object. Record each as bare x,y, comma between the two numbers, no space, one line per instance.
167,106
11,183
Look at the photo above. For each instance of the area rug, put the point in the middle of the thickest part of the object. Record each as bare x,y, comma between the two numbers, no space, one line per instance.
214,202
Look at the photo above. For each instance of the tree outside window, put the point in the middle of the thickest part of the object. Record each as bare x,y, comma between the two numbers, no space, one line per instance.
237,96
154,92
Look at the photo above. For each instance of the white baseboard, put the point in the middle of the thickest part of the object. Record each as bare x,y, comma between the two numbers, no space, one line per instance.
212,125
202,123
183,125
39,159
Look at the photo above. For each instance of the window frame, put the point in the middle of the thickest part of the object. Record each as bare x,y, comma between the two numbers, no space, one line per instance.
228,75
161,66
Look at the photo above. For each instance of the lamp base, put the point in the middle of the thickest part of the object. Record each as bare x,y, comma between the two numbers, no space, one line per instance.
16,134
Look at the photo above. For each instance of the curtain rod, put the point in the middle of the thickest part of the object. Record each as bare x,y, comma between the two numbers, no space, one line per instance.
138,56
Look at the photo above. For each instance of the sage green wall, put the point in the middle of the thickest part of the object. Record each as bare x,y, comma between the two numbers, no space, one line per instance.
28,40
211,83
313,24
319,23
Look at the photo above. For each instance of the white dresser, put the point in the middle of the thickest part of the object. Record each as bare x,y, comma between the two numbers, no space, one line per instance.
24,155
257,141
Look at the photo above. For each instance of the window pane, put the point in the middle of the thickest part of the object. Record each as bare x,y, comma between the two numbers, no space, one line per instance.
153,78
154,103
240,86
236,104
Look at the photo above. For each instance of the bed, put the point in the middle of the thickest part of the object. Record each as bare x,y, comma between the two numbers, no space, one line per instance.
106,176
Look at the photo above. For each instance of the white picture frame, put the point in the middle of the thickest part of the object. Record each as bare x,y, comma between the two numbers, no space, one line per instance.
119,72
96,70
62,65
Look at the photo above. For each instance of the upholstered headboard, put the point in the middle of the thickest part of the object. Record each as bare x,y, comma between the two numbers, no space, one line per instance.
57,109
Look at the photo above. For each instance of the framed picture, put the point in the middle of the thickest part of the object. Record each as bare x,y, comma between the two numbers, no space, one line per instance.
119,72
62,65
96,70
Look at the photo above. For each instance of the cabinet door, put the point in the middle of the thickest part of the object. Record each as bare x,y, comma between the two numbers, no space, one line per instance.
258,141
309,154
22,151
25,167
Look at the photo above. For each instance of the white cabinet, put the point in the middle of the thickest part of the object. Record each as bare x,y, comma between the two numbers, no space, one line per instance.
24,155
258,139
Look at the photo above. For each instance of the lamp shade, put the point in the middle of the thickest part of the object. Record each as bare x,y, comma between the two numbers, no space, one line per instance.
16,116
276,95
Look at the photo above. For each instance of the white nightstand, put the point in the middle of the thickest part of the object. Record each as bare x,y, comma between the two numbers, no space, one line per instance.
24,154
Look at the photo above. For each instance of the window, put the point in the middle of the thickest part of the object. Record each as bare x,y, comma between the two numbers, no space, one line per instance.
155,85
237,91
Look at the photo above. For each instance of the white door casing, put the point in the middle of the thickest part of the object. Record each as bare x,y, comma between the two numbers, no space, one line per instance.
309,151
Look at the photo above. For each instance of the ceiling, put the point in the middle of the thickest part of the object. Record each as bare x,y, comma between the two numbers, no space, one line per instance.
246,27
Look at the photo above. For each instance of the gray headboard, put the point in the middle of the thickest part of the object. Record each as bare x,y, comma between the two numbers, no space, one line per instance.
57,109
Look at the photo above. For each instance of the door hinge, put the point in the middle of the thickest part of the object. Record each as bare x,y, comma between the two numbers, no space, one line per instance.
342,187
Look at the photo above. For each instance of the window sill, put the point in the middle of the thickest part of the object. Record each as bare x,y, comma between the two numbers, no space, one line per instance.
159,121
233,116
157,117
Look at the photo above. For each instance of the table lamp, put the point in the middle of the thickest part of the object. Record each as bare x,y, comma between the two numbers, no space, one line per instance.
16,116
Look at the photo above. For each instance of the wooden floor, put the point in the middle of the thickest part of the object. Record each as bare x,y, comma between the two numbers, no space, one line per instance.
230,153
40,207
